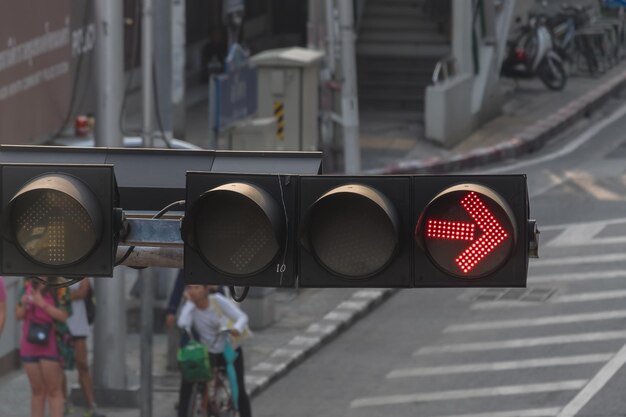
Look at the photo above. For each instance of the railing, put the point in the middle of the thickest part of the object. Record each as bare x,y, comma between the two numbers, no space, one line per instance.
446,67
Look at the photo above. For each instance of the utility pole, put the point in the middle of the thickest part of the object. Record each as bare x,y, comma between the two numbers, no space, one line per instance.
349,98
179,23
110,326
147,284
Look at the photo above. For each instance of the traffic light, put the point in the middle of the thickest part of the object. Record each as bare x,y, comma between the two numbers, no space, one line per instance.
357,231
58,220
239,229
471,231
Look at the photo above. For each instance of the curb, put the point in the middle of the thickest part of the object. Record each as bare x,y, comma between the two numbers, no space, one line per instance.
307,342
529,140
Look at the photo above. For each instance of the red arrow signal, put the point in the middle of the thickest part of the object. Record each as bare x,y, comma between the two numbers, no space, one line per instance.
492,234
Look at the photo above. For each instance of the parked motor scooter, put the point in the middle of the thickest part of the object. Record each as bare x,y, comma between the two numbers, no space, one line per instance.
532,54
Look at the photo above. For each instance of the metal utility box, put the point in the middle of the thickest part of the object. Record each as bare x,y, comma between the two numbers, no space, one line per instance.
288,81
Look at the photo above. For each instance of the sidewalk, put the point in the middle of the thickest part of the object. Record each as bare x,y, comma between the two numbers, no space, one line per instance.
531,116
306,319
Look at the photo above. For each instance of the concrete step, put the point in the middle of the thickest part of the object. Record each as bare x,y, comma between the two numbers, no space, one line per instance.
390,116
376,104
402,50
388,11
395,3
383,36
397,98
398,24
408,81
395,65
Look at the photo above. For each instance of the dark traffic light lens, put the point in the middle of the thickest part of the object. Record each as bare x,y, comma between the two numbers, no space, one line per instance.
54,220
353,231
237,228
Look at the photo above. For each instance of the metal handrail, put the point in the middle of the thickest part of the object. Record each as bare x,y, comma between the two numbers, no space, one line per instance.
447,66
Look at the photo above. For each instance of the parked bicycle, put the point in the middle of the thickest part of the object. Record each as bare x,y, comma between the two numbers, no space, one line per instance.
586,37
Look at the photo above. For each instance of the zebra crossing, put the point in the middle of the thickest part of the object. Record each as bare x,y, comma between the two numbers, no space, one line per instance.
522,358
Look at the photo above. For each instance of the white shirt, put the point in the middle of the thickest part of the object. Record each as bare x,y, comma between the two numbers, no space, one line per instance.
77,322
208,322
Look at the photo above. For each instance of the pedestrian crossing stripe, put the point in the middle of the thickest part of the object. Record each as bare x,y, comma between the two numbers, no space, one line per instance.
531,412
537,322
501,366
521,343
576,276
279,114
505,390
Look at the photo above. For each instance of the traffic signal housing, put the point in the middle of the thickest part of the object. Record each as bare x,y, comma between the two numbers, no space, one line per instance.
58,220
471,231
357,231
239,229
353,231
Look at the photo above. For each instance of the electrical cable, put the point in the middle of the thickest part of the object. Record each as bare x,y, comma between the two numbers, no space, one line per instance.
133,64
157,109
241,297
156,216
77,72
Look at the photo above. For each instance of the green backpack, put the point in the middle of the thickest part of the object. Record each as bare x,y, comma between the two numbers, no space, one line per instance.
193,359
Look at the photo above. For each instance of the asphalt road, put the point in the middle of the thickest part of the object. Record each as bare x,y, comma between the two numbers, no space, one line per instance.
553,349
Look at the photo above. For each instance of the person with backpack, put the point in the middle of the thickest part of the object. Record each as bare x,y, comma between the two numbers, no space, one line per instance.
81,294
41,308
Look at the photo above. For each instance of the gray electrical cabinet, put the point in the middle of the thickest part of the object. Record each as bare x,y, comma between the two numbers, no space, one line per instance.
288,83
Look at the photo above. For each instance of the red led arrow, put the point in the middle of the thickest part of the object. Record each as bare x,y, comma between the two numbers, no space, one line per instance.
492,232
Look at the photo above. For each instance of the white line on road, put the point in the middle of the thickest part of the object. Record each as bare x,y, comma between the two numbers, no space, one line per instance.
531,412
567,385
590,296
566,225
577,235
565,299
577,276
541,321
584,137
523,343
500,366
578,260
595,384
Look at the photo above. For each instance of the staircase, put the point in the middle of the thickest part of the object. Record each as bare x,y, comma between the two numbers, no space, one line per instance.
398,46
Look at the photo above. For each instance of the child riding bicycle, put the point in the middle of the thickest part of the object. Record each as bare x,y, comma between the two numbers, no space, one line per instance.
208,313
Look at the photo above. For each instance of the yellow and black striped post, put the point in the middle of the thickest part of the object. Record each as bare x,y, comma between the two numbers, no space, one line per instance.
279,114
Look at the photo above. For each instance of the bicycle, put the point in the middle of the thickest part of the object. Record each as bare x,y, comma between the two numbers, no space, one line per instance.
214,397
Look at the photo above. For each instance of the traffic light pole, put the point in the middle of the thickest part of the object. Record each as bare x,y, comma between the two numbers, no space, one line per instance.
349,98
147,285
110,328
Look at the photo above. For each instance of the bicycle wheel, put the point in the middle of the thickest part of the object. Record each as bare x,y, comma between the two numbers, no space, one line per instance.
221,398
197,405
552,73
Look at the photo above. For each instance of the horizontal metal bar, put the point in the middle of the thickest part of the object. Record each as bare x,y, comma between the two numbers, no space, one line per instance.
152,257
153,233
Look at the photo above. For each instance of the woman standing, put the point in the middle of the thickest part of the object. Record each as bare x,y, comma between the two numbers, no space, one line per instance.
209,312
39,308
78,325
